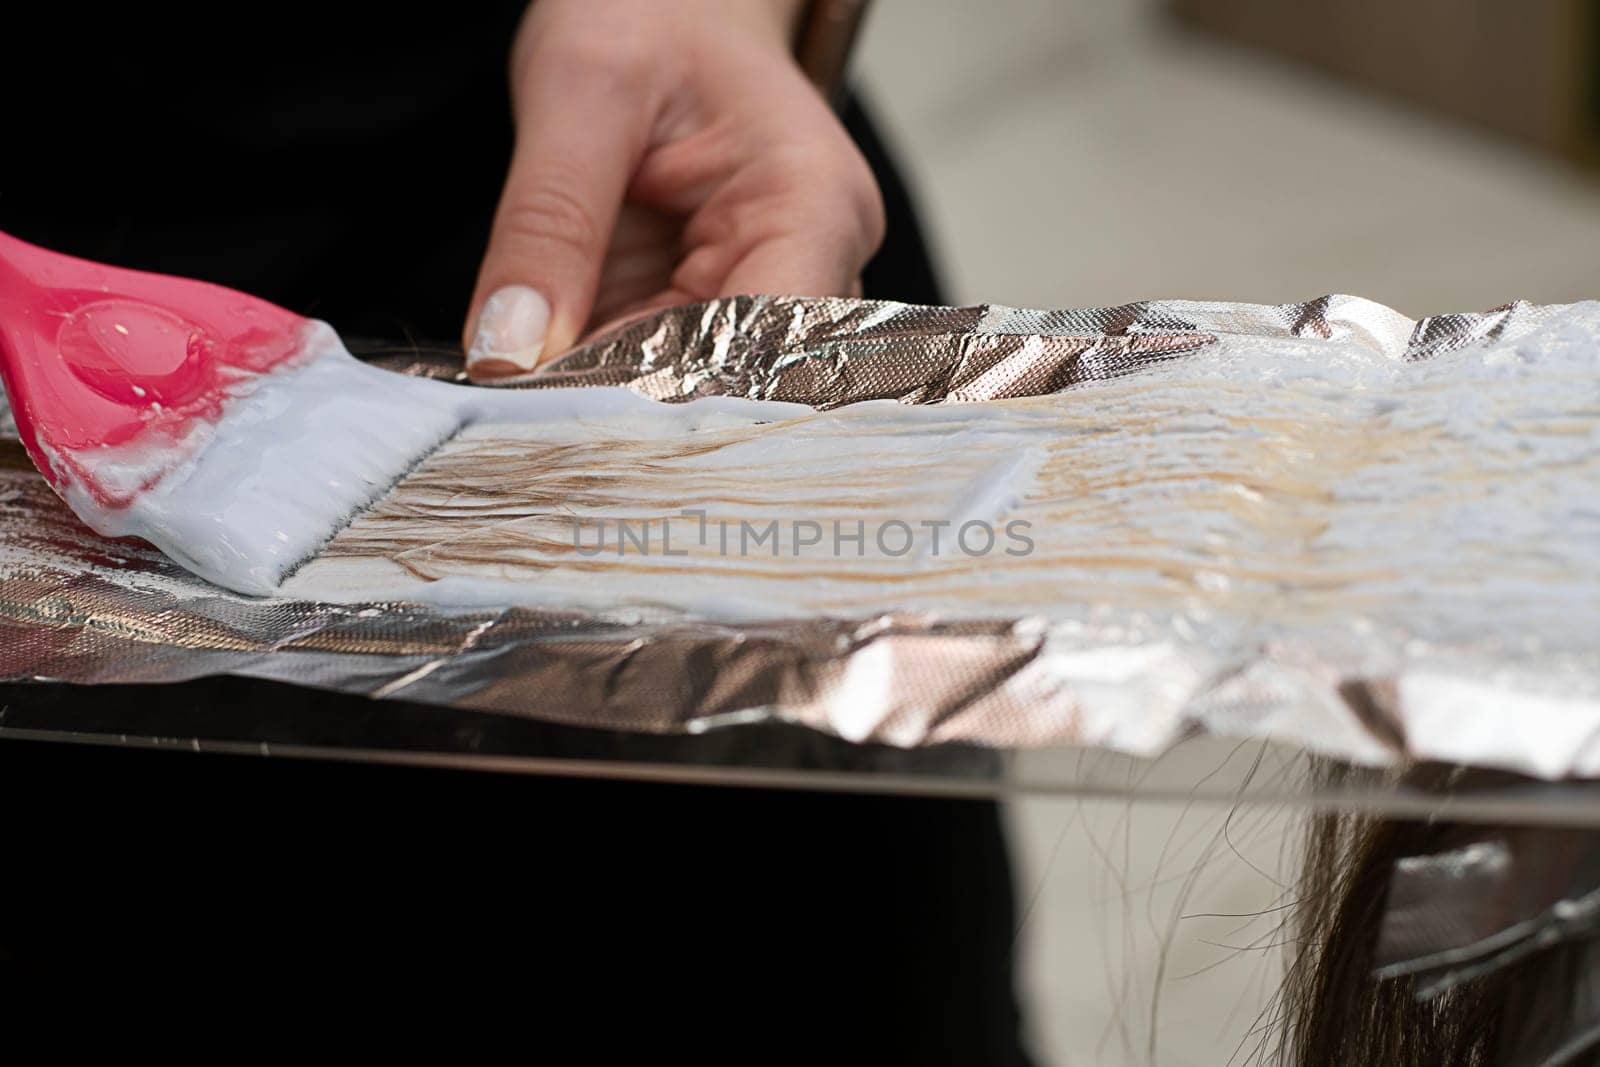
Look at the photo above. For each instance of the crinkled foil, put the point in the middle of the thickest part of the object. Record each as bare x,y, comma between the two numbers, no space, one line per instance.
1455,915
1509,895
77,608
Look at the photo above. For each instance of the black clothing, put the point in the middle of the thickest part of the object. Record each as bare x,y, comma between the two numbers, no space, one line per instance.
351,173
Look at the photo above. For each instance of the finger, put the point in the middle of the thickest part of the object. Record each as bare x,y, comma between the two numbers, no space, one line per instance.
639,262
580,133
798,264
667,298
764,232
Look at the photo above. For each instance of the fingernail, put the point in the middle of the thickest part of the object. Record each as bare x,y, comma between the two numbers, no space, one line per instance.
510,333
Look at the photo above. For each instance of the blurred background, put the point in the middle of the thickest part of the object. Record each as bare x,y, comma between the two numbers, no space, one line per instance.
1087,152
1434,155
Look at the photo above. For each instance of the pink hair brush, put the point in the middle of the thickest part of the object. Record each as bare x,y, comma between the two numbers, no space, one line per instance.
233,434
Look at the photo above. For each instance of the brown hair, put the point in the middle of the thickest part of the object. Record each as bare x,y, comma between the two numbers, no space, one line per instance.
1336,1012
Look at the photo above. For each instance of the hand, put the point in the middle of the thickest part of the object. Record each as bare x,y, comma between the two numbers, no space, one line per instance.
665,153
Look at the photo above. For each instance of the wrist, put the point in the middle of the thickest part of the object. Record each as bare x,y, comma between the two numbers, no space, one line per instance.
789,14
777,22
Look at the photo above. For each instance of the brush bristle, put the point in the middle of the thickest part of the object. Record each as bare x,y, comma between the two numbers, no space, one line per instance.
290,460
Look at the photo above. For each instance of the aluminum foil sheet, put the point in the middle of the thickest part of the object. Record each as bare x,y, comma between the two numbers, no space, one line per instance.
1507,896
1508,676
1453,916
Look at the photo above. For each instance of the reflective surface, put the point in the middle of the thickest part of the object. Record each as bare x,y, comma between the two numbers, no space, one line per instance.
273,720
975,706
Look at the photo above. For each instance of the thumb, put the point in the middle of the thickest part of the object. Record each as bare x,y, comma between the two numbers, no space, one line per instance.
579,139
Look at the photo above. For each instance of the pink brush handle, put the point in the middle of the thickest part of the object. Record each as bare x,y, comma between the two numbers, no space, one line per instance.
94,355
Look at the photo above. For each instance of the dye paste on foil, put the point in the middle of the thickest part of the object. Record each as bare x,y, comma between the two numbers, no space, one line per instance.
1322,523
